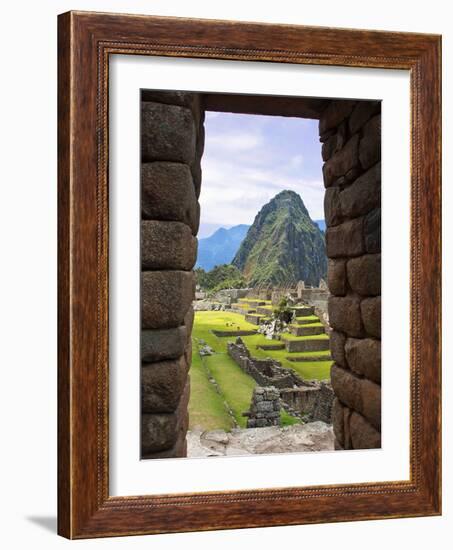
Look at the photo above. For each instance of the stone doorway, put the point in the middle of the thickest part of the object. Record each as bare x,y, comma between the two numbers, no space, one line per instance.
172,147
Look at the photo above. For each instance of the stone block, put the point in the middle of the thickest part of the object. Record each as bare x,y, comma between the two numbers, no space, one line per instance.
167,245
344,315
196,176
364,274
337,350
160,432
179,449
158,345
188,320
188,352
162,384
166,298
342,162
168,133
338,421
371,316
168,194
345,239
264,406
334,114
335,142
362,195
370,144
171,97
361,113
371,402
372,231
347,387
337,446
347,434
363,435
363,356
332,210
336,277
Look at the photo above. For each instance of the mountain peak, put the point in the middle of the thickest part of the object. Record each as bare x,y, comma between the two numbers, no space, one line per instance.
283,245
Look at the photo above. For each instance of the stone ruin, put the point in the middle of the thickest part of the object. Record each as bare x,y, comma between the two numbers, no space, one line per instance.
307,399
266,372
172,133
264,408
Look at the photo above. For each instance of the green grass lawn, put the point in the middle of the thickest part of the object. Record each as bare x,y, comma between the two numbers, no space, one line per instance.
206,407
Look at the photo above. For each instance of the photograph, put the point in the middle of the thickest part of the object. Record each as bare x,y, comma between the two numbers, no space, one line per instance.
260,274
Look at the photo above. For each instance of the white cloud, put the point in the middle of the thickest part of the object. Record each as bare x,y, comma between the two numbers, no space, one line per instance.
248,160
235,142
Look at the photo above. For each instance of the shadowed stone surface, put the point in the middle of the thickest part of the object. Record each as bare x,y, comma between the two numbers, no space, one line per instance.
168,194
338,421
359,394
371,402
364,274
363,356
363,435
334,114
337,351
162,384
167,245
168,133
361,196
342,162
372,231
345,239
347,387
189,319
166,298
336,277
335,142
171,97
371,316
160,432
332,211
370,144
157,345
362,112
344,315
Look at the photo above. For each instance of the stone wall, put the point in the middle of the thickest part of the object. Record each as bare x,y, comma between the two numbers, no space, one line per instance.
264,408
350,132
172,145
309,399
266,372
172,136
311,402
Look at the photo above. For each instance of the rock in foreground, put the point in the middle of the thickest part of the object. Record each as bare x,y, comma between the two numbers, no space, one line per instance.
300,438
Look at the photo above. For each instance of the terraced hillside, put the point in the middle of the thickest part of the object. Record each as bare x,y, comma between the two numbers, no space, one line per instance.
220,390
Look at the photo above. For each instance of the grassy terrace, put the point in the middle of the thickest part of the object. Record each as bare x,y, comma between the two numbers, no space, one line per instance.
209,409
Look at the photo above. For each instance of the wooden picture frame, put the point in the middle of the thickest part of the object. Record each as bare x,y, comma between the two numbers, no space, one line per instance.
85,41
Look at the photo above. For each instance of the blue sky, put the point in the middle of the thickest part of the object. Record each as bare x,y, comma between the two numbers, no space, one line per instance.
248,159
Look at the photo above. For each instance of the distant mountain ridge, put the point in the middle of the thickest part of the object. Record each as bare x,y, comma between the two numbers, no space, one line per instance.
283,245
321,225
221,247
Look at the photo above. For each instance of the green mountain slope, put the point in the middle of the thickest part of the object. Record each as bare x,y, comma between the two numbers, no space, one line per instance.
283,245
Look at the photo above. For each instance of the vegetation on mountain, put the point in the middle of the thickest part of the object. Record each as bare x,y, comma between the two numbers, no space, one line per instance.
283,245
222,276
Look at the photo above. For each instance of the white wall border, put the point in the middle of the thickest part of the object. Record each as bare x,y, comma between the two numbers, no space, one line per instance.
128,474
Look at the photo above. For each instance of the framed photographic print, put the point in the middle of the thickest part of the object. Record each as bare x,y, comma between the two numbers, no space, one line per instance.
240,206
